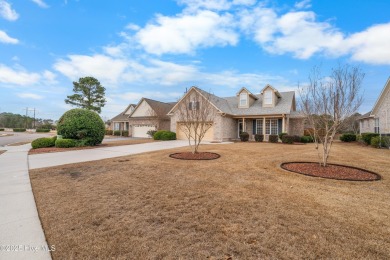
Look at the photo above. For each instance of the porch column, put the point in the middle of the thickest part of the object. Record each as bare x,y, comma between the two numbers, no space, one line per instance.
243,125
264,127
283,124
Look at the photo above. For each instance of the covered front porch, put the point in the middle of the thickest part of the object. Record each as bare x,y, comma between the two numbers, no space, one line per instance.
120,126
265,125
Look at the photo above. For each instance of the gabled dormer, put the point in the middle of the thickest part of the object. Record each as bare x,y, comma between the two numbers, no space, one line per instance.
270,96
245,98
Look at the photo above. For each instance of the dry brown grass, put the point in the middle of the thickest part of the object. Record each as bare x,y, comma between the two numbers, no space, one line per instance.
107,144
242,205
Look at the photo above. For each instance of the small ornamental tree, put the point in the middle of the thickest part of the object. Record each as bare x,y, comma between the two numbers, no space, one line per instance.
196,114
83,125
89,94
328,102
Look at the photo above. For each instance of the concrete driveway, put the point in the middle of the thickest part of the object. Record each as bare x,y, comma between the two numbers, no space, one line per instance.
15,137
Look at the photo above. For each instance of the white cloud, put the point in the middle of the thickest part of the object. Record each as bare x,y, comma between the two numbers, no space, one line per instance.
7,12
30,96
186,32
49,77
40,3
372,45
133,27
18,76
216,5
104,68
5,38
303,4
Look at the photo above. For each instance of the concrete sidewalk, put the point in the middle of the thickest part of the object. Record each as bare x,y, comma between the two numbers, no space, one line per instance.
21,234
61,158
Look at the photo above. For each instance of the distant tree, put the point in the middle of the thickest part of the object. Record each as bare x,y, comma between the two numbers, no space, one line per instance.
328,102
89,94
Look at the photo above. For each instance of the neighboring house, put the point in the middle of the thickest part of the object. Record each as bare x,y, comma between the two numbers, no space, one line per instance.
270,112
149,115
121,122
378,119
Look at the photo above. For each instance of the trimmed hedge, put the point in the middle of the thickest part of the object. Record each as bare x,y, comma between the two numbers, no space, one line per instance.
366,137
164,135
109,132
281,135
125,133
348,137
244,136
380,141
82,124
273,138
306,139
1,129
288,139
117,133
42,130
43,142
65,143
259,138
19,129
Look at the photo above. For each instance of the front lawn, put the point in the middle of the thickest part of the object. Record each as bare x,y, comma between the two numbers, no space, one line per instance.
242,205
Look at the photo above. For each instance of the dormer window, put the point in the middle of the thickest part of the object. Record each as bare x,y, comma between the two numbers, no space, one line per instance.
243,99
193,105
268,97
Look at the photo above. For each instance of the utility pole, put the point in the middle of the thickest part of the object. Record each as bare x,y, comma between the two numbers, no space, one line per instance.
26,116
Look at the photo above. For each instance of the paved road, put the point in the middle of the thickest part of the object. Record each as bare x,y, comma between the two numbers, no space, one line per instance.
20,137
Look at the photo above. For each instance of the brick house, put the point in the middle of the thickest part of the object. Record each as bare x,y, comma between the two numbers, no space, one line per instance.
378,119
270,112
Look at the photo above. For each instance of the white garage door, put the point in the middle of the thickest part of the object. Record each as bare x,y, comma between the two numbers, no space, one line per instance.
141,130
180,135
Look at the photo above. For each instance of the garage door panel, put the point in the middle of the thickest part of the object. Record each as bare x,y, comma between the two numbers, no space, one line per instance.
180,134
142,130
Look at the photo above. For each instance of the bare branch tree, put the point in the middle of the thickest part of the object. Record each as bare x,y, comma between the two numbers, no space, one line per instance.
328,101
195,115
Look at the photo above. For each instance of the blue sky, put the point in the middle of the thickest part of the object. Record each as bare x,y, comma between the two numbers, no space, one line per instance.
158,48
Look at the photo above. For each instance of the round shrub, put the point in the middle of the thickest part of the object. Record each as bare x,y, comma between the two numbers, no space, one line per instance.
43,142
65,143
109,132
375,142
348,137
83,125
273,138
157,135
288,139
1,129
168,135
244,136
125,133
366,137
281,135
306,139
42,130
117,132
259,138
19,129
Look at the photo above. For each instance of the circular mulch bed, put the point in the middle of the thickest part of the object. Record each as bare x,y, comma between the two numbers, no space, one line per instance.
195,156
332,171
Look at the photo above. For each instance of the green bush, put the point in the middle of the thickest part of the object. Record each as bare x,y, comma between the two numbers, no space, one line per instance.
109,132
65,143
151,133
375,142
306,139
125,133
288,139
1,129
281,135
348,137
82,124
164,135
385,140
273,138
380,141
366,137
19,129
168,135
244,136
43,142
42,130
158,134
117,132
259,138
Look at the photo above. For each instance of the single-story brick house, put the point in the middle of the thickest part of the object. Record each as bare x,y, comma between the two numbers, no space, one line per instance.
378,119
147,115
270,112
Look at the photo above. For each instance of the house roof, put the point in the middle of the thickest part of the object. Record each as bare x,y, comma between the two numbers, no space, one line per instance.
385,90
160,108
229,105
250,93
122,116
366,115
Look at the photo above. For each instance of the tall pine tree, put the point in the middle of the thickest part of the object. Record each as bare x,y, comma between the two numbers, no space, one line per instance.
89,94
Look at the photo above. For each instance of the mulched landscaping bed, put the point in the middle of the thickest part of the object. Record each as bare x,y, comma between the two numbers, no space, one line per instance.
195,156
332,171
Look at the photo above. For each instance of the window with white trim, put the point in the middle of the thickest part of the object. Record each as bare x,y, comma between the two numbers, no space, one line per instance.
268,97
376,127
271,126
259,126
193,105
243,99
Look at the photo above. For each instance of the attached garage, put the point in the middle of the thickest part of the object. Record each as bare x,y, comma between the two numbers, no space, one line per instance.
142,130
180,134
